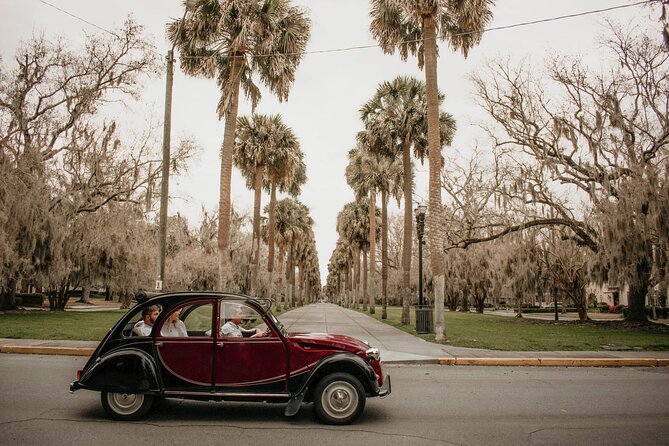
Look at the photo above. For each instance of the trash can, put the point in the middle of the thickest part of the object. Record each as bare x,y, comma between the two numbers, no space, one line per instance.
424,319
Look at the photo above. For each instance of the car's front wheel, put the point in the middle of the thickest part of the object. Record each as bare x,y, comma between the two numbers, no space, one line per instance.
339,398
126,406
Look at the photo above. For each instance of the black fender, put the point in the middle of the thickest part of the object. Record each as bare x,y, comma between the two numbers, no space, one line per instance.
129,370
345,362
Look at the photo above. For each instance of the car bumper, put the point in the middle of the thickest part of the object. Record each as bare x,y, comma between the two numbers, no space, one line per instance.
386,388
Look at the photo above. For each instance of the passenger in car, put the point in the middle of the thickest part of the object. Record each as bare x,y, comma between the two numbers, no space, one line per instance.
174,327
149,316
233,328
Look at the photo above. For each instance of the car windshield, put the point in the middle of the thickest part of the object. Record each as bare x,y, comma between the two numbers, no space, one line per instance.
278,323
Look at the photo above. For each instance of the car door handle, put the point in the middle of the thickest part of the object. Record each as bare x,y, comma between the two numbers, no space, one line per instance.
159,344
219,344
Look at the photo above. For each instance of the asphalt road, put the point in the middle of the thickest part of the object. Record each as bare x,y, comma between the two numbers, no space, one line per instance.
429,405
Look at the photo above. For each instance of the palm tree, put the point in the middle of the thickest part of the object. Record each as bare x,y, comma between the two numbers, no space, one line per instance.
291,222
386,175
233,40
338,269
287,174
264,144
252,144
413,27
306,257
395,122
353,223
362,177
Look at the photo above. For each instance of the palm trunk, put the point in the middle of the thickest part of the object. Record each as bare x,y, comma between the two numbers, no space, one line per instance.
384,254
289,276
364,279
372,250
270,238
408,226
255,244
282,254
224,203
356,279
299,291
434,217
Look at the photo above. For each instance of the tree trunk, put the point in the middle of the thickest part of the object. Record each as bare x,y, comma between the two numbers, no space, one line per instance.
255,244
346,285
583,313
406,240
9,296
356,279
384,254
434,217
364,279
636,311
290,275
282,296
86,294
271,228
224,203
126,300
372,251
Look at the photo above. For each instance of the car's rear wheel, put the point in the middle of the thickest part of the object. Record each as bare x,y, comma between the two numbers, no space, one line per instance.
126,406
339,398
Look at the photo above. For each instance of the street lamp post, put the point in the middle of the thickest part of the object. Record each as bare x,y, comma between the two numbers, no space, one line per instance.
424,317
420,229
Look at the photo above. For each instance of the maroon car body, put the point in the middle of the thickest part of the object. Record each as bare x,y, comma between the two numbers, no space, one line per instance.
334,372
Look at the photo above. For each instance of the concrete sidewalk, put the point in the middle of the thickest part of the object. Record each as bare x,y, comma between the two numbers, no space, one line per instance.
397,347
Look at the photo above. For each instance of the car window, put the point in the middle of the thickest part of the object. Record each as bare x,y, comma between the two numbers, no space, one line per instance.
197,319
251,319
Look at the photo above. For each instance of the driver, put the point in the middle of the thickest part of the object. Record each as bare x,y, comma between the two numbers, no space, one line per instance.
233,328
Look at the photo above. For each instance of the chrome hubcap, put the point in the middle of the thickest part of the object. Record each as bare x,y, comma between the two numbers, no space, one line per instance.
125,403
339,399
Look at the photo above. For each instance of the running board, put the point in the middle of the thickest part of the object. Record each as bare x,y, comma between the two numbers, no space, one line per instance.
227,394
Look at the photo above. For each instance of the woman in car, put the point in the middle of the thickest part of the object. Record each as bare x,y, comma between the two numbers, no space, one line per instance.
173,326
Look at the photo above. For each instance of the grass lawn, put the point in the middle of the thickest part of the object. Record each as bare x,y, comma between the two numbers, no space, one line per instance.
68,325
475,330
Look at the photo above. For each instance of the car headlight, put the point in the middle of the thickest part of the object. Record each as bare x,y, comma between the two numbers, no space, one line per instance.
373,354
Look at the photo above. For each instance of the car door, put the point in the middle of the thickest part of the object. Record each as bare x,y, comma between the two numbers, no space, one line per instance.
249,365
186,361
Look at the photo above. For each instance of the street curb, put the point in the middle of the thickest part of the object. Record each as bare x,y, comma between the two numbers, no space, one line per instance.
411,362
37,350
557,362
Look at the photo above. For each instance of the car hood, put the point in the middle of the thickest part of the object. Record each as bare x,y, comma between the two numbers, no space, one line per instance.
327,340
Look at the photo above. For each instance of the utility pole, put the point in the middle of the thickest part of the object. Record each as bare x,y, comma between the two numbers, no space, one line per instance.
165,172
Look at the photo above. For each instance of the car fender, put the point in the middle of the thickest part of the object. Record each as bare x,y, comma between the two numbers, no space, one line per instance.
129,370
342,362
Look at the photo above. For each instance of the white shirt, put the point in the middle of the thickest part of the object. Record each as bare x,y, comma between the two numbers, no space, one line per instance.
142,329
177,330
231,330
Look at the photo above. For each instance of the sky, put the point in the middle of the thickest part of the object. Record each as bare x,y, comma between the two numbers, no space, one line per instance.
329,89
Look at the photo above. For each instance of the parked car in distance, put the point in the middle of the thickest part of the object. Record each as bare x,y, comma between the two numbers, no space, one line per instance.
203,361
